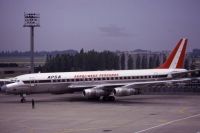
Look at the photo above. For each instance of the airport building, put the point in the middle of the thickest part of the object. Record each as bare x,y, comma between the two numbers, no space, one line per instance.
143,59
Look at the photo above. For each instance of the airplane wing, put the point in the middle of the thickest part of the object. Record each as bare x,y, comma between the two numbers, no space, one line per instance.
104,85
189,73
165,82
110,86
125,89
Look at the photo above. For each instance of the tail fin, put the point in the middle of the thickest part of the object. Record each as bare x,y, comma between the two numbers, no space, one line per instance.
176,57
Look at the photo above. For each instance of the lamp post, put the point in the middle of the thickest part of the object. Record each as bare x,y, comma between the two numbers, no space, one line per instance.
31,20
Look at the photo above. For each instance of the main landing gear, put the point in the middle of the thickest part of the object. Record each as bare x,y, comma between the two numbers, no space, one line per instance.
23,98
108,98
104,98
94,98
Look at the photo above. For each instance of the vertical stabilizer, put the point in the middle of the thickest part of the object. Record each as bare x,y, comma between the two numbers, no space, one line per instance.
176,57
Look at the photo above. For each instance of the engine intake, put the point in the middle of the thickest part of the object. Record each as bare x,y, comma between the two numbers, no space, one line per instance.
120,91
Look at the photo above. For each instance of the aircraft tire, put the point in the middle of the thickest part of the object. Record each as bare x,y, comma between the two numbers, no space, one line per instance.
23,100
94,98
108,98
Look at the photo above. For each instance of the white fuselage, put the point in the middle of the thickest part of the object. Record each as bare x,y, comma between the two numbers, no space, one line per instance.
69,82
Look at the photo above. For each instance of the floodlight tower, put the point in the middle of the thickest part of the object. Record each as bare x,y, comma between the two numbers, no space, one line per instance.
32,20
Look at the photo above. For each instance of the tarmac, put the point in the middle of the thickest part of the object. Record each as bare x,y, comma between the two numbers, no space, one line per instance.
73,113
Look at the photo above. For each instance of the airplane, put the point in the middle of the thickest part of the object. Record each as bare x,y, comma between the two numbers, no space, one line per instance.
105,85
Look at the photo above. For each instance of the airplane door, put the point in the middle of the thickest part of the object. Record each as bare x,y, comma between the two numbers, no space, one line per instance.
32,85
155,76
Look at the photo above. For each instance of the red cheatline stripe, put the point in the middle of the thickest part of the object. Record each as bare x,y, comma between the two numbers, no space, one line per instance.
182,56
170,58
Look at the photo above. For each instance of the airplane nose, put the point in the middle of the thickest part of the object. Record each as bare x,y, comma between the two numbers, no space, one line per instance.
3,88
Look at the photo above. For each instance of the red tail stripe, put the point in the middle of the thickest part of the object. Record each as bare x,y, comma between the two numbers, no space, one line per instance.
171,56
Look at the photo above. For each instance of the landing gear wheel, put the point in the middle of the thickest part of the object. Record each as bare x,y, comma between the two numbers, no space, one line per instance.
23,100
111,98
105,98
108,98
94,98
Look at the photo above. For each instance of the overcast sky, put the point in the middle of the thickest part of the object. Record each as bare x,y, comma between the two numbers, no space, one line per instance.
100,24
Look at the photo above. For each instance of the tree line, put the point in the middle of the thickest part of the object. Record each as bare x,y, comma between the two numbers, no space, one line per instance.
82,61
36,53
93,60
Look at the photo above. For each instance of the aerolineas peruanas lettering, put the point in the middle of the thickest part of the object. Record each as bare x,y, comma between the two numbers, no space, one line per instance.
54,77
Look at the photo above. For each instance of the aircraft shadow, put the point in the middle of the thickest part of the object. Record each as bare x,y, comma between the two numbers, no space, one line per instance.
156,100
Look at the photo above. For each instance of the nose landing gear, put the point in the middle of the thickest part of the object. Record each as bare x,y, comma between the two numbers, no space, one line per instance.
23,98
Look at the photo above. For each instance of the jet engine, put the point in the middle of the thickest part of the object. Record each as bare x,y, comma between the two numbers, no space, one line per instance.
120,91
94,93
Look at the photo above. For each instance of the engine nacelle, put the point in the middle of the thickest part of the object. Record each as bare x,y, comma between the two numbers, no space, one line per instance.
120,91
94,93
